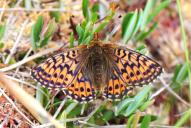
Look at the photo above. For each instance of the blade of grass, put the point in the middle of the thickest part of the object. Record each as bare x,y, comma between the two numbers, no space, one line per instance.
39,95
183,119
136,119
70,108
145,122
2,31
130,120
184,42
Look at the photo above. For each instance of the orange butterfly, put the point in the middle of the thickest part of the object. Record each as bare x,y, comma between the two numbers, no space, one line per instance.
83,70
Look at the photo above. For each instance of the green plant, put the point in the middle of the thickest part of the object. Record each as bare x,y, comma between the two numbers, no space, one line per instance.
42,33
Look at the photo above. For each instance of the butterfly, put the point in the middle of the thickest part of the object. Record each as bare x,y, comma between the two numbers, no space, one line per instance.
108,68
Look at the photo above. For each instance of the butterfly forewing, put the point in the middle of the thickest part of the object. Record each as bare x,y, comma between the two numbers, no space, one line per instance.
58,71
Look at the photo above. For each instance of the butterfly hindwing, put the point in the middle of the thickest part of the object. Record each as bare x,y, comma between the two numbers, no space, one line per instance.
116,89
81,89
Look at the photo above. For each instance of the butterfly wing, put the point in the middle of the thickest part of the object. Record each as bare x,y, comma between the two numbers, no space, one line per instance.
60,70
116,89
135,69
81,89
130,69
64,71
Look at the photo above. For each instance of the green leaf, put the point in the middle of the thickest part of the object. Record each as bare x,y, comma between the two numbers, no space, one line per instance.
1,44
148,9
139,99
87,33
139,21
46,96
143,34
142,49
56,15
146,104
63,117
2,31
186,117
43,42
80,32
180,75
130,120
101,26
76,111
40,39
85,9
70,107
125,22
128,24
94,17
39,95
72,40
51,28
136,119
95,7
123,105
36,30
176,71
88,39
146,121
108,115
157,9
94,12
12,61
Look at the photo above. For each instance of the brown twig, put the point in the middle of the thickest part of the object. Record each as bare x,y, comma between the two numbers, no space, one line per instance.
32,105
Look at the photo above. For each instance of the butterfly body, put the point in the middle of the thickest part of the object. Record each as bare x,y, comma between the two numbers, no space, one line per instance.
96,66
82,71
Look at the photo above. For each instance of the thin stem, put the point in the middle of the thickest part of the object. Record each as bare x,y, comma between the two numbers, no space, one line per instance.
26,83
173,93
16,44
45,52
37,10
59,109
